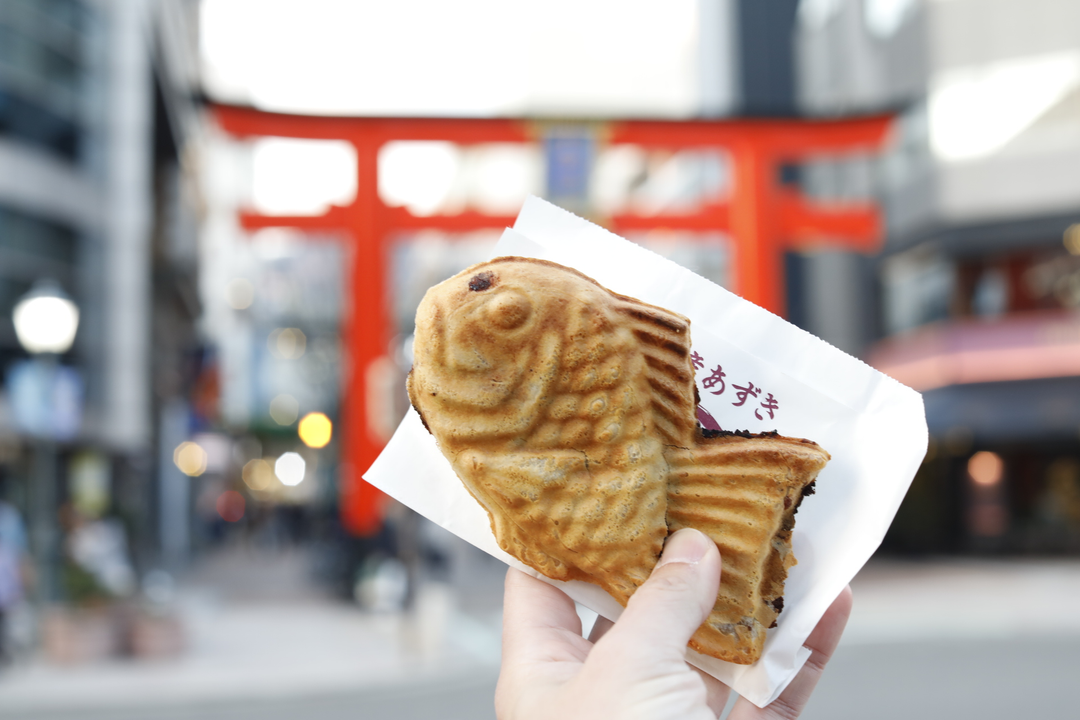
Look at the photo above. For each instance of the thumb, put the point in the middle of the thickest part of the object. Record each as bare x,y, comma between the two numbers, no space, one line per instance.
668,607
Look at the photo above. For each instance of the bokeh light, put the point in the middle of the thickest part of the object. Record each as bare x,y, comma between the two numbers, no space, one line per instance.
230,506
191,458
315,430
258,474
240,293
284,409
45,323
290,469
1072,239
287,343
986,468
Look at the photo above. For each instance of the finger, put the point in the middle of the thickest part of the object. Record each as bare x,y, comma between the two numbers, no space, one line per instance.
717,693
668,607
532,609
541,631
600,628
822,644
529,602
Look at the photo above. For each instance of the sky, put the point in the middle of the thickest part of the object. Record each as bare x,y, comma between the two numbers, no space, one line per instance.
462,58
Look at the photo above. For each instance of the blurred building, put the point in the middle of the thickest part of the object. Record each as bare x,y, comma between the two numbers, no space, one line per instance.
93,117
979,282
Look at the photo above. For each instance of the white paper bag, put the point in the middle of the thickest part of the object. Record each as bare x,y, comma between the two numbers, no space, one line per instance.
755,372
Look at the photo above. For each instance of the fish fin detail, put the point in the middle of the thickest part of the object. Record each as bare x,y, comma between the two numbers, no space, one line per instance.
664,340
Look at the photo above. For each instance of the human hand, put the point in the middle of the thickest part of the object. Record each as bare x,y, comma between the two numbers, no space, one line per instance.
637,667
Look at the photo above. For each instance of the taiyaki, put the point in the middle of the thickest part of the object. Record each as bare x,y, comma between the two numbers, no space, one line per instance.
568,412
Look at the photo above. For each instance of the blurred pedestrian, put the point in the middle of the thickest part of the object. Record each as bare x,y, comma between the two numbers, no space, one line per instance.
635,668
12,558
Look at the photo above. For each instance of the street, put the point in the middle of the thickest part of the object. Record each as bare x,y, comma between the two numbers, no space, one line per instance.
943,639
944,680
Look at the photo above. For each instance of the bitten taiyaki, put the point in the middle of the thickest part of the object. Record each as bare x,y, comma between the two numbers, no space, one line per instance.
568,412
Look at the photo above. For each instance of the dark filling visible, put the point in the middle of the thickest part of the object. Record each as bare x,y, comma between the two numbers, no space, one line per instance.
778,606
482,281
789,521
745,434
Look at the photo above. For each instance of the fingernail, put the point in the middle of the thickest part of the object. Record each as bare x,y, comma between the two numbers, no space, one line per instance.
685,546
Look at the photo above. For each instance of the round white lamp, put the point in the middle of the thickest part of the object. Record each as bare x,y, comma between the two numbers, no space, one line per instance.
46,319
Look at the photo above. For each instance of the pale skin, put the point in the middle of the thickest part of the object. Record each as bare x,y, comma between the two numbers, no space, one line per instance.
635,668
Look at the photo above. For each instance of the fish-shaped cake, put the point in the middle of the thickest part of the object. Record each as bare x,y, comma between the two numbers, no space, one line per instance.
568,411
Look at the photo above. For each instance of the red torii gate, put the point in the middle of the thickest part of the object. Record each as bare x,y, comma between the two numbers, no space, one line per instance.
763,218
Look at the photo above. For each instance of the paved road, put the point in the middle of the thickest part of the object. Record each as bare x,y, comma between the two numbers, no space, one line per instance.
985,679
958,639
989,680
464,698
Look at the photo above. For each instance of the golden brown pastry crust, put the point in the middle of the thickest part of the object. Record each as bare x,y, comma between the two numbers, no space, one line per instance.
568,411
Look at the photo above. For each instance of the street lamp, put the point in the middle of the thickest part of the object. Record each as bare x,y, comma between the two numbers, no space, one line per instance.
46,320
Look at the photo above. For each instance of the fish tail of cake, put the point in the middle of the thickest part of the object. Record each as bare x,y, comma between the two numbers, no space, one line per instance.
743,493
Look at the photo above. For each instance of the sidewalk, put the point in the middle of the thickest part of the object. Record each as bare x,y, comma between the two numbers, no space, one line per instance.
913,601
258,630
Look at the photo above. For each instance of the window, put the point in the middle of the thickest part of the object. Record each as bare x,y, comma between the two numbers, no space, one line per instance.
42,72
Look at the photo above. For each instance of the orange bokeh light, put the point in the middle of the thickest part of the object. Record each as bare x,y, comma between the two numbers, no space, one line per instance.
191,458
986,468
316,430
